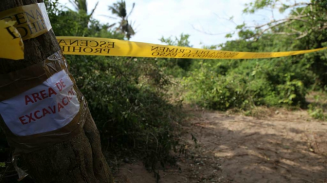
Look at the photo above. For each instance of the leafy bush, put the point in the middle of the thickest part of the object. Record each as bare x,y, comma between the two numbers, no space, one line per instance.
177,67
317,112
318,108
244,84
126,96
127,99
214,91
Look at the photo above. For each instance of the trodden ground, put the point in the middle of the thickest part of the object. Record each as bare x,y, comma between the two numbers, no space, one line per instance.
280,146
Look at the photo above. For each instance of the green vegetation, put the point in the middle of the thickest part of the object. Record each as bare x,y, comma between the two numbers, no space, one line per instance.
127,96
244,84
318,107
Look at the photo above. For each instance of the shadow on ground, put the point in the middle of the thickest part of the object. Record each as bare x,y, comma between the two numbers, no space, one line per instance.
288,147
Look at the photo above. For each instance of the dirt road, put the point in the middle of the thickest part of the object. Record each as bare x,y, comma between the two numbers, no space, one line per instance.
284,146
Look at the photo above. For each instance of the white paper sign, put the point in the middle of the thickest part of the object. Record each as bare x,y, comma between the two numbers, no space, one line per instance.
44,108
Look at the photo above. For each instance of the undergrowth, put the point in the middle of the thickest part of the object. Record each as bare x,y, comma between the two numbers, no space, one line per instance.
317,109
129,103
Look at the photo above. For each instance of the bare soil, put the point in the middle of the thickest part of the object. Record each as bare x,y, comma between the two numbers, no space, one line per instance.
280,146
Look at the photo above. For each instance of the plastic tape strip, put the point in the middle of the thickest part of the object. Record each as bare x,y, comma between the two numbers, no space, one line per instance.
113,47
31,20
12,46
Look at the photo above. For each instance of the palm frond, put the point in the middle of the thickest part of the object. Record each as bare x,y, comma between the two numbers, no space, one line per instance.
109,16
95,7
119,9
130,30
131,10
114,10
111,25
82,5
79,5
74,3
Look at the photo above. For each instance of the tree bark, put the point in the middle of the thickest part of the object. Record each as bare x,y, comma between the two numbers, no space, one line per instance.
80,158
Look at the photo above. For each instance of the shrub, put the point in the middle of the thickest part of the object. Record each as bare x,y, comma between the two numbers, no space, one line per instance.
127,99
248,83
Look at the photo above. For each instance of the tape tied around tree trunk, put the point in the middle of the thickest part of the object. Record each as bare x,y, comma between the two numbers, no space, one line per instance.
41,105
12,46
30,20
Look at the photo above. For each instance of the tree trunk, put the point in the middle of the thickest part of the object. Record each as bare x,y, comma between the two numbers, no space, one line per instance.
75,160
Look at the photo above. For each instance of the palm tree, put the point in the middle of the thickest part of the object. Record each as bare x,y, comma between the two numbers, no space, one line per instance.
81,6
119,9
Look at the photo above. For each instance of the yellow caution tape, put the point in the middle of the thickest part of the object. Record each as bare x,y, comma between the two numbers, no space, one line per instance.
12,46
31,20
113,47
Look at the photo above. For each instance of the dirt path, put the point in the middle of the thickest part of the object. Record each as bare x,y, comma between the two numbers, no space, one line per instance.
285,147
